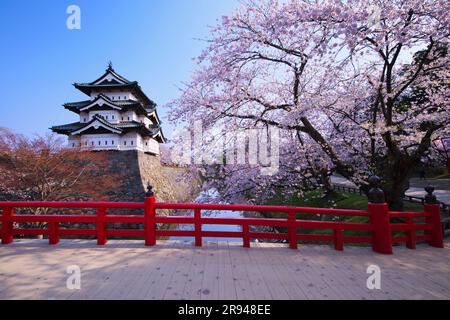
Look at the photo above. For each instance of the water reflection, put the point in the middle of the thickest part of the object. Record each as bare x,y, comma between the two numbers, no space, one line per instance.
212,196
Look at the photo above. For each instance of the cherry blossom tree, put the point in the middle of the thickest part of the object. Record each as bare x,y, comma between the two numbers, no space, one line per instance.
300,169
337,74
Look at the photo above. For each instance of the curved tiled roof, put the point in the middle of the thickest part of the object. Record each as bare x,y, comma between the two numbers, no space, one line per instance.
126,104
152,129
87,88
111,71
67,128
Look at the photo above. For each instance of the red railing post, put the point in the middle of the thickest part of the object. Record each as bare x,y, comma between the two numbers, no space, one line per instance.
292,229
432,207
7,225
149,217
101,227
410,233
53,232
338,239
379,217
246,235
198,227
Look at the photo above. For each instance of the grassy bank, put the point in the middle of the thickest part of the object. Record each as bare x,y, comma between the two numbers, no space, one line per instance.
338,200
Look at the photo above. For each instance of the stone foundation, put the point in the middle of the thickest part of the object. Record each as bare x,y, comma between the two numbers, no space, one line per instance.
141,168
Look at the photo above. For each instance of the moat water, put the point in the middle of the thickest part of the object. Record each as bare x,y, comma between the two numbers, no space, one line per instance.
212,196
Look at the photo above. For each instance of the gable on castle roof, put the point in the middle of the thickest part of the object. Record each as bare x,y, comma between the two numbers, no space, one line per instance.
110,77
96,123
101,101
112,81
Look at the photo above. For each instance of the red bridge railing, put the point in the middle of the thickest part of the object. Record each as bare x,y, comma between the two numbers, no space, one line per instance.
380,226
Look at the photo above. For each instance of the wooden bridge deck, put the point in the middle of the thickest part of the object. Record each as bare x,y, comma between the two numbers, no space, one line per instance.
31,269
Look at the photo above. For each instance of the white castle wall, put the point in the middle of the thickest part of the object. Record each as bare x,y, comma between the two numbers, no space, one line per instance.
126,142
129,141
145,120
111,116
116,95
129,116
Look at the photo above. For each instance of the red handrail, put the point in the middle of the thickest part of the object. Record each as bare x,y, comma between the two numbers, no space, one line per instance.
72,204
241,207
379,226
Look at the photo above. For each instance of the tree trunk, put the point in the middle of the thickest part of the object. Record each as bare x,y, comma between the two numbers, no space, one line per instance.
396,182
326,182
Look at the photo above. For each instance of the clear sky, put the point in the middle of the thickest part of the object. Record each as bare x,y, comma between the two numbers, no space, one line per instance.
150,41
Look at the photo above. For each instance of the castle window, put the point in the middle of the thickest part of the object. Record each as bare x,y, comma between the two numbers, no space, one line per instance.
146,143
92,143
106,117
99,143
73,145
85,143
124,143
84,119
128,118
112,142
112,117
124,97
131,142
106,143
122,118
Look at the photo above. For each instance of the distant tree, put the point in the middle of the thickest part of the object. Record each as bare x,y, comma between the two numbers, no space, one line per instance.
43,169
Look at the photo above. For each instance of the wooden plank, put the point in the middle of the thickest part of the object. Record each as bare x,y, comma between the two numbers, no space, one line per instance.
177,284
193,289
226,283
257,259
295,288
210,283
170,259
239,271
310,274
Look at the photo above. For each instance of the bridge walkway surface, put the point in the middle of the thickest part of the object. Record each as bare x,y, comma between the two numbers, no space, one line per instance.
125,269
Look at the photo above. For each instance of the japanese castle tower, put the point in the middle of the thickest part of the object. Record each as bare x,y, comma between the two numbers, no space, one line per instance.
118,116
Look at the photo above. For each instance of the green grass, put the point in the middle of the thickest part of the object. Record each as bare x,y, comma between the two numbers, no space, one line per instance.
338,200
410,206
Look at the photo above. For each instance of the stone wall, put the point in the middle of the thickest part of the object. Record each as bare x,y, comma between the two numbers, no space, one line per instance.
141,168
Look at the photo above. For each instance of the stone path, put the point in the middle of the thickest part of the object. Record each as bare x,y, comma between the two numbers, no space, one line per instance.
442,186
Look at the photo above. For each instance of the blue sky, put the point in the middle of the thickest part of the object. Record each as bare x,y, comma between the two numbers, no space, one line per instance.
150,41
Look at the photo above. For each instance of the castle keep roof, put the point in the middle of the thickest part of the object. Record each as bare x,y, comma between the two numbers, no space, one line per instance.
111,80
102,102
141,107
120,128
